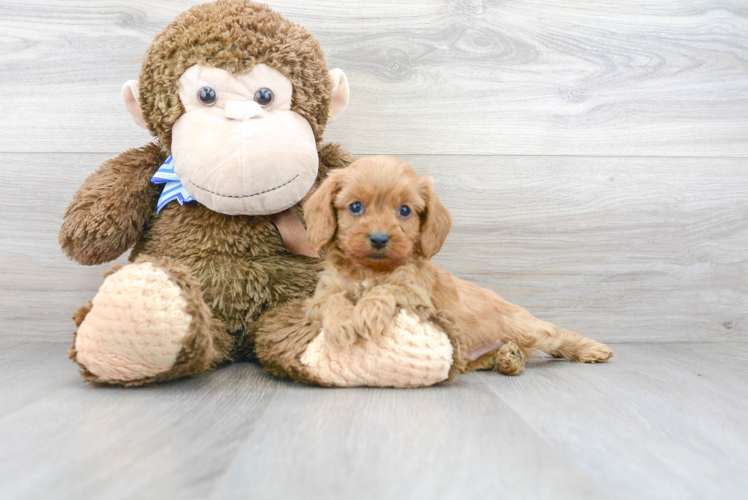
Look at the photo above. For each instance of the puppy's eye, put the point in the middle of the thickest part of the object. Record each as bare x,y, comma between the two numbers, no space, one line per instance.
404,212
356,208
207,96
264,97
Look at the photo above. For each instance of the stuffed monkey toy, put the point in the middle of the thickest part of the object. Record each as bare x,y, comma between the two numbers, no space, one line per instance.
237,99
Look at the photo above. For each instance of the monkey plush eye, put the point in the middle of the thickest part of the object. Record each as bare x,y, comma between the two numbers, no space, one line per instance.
207,96
404,212
356,208
264,97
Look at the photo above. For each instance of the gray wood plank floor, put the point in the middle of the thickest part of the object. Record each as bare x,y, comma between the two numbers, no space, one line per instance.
660,421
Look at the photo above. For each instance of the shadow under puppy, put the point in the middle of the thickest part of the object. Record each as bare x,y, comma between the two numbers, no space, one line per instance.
382,313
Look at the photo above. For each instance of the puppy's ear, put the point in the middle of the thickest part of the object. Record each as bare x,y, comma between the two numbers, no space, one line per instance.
436,223
319,213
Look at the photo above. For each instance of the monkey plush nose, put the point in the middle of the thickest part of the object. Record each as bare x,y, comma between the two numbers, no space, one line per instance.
242,110
379,239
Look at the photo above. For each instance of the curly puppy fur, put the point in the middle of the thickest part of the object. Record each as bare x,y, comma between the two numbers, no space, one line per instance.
239,263
398,273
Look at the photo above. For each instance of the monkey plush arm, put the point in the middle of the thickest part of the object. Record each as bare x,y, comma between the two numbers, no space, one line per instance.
111,208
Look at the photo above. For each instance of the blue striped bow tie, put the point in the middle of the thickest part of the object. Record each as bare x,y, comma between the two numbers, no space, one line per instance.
173,190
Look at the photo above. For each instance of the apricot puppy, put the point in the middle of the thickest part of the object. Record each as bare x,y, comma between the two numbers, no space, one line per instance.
380,223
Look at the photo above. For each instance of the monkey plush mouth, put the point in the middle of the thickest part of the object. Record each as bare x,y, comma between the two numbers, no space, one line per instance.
243,196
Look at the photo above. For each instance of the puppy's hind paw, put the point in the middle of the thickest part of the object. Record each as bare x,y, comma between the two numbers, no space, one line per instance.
510,360
594,352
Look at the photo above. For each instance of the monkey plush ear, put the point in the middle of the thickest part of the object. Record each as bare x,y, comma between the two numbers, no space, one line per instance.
319,213
131,97
340,94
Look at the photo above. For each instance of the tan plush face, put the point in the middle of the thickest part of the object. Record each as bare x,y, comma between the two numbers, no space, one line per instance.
239,148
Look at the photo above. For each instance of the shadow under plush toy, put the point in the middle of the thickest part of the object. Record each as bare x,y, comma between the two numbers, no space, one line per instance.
237,98
383,314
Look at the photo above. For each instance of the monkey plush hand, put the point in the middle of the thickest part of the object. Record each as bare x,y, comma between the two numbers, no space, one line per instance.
237,99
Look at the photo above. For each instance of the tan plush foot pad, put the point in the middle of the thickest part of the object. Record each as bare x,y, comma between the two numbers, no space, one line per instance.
136,326
509,360
412,353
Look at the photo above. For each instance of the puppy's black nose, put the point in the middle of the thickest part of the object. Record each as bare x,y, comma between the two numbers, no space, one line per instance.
379,239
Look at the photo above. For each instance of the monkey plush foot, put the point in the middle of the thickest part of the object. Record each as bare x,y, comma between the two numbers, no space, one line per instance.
509,360
147,323
411,353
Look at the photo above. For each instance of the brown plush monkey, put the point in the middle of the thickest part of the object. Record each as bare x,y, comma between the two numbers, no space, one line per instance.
237,98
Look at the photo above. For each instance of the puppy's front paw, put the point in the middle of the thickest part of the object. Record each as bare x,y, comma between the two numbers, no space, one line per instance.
339,331
313,310
373,316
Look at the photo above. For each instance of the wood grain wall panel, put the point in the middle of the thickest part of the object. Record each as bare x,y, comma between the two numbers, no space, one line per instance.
622,249
553,77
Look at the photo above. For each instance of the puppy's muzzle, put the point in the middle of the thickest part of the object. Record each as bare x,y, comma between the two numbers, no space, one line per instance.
379,239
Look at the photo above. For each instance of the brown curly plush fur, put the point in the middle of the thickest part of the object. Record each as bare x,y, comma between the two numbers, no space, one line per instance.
239,263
